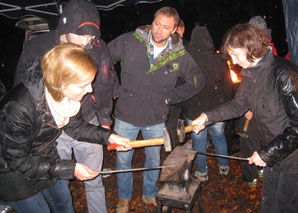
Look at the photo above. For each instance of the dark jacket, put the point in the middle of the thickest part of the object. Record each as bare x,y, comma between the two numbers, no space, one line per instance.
81,18
269,90
144,88
29,161
218,88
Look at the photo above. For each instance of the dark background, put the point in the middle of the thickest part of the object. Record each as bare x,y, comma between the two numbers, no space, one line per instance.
217,15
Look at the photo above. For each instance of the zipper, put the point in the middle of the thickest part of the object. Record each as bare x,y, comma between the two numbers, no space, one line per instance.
41,151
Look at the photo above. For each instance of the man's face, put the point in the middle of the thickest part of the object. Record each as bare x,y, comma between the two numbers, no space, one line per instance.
238,56
81,40
76,92
162,28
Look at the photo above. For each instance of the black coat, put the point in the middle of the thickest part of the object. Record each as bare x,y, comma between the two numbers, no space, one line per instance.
218,88
269,90
29,161
145,87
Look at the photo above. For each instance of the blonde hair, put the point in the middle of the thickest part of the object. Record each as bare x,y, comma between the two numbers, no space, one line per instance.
66,64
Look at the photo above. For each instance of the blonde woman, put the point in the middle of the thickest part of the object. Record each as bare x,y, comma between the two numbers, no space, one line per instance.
32,117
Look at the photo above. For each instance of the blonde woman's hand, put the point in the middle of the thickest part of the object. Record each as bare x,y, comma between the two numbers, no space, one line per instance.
121,141
82,172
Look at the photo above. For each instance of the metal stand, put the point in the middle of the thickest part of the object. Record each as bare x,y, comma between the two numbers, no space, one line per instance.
172,196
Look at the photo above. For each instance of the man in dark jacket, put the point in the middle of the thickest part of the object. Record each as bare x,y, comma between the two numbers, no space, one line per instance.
219,87
269,89
152,58
80,24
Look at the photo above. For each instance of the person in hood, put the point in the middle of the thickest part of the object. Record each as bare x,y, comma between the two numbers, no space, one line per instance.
219,87
269,89
79,24
152,58
32,116
176,109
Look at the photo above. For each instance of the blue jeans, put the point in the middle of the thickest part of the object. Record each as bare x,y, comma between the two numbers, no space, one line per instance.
125,180
56,198
217,133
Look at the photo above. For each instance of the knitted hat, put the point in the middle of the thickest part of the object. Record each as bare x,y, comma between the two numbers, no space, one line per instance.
259,22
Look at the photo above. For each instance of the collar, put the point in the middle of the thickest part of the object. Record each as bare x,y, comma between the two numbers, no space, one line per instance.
254,71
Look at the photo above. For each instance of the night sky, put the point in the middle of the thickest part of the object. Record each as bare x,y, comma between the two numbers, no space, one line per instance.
217,15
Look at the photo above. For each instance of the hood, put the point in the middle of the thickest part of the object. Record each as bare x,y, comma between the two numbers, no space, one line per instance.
200,40
79,17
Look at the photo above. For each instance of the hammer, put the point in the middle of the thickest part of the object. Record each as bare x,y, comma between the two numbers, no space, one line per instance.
243,134
182,129
165,140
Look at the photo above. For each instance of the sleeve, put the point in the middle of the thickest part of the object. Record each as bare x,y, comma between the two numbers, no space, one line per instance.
80,130
16,122
117,48
194,81
286,143
231,109
103,87
28,55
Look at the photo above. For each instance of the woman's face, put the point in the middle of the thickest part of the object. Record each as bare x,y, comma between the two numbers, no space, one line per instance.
76,92
238,56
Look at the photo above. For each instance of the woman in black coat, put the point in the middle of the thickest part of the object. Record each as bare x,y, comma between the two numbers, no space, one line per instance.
32,117
269,89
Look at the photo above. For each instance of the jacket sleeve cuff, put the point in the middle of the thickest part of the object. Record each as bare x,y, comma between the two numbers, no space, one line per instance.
64,169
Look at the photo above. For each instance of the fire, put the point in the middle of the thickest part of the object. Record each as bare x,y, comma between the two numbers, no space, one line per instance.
235,78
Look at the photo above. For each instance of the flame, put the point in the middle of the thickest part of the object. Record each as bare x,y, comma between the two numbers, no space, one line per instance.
235,78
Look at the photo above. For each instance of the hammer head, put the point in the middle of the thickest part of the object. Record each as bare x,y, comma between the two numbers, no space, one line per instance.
181,130
243,135
167,140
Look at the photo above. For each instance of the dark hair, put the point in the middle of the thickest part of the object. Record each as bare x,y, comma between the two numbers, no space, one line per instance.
247,37
169,12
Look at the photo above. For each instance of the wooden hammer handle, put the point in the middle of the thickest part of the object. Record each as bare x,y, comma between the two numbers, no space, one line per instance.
140,143
246,125
192,127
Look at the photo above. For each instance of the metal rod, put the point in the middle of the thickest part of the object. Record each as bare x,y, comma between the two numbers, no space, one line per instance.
222,156
132,170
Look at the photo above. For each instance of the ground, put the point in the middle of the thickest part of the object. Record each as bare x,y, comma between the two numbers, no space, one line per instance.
220,195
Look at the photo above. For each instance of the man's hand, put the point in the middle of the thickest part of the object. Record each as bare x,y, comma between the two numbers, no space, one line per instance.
106,127
200,121
120,141
257,160
248,115
83,172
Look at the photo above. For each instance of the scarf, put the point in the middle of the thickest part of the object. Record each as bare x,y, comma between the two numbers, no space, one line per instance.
63,110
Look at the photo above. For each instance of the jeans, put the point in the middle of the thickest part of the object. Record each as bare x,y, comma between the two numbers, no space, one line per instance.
217,133
92,156
125,180
56,198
